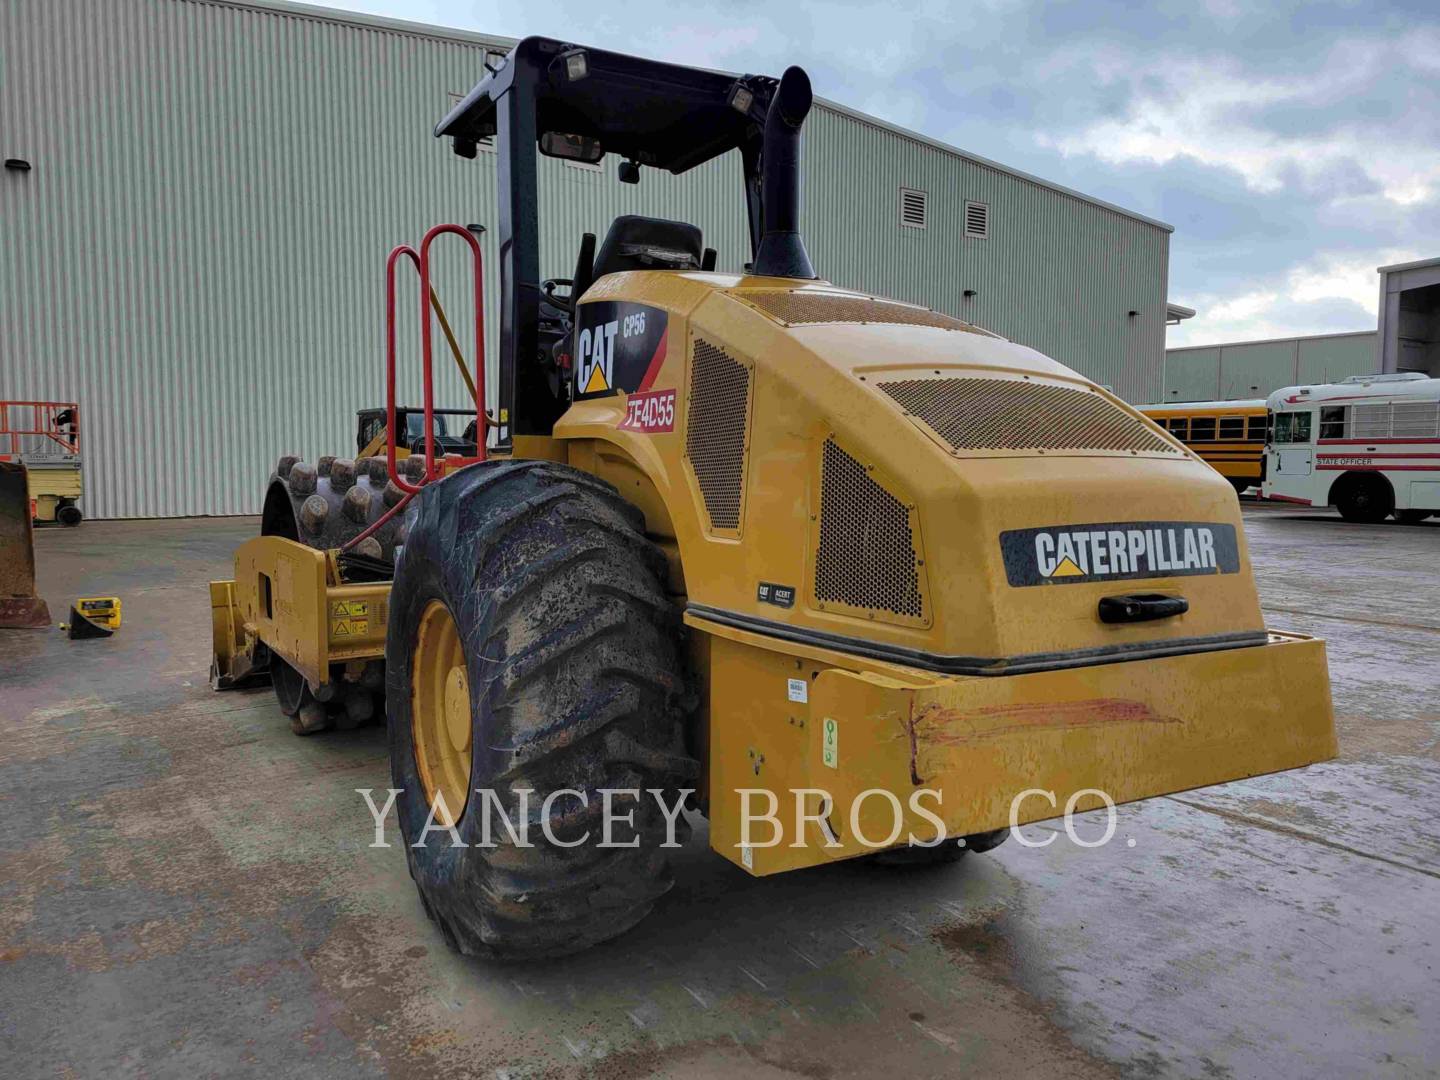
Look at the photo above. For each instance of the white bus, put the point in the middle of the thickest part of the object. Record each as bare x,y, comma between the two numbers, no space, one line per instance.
1368,446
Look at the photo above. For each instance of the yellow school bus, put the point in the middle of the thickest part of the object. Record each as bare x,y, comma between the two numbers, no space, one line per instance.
1230,435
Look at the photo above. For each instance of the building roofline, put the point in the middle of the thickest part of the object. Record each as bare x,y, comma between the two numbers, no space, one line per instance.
915,136
450,33
363,20
1416,265
1270,341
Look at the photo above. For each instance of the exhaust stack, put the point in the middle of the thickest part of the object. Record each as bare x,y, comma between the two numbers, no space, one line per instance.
782,251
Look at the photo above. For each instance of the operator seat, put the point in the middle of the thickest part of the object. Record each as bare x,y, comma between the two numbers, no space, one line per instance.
647,243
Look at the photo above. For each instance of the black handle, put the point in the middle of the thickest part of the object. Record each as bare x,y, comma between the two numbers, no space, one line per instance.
1141,607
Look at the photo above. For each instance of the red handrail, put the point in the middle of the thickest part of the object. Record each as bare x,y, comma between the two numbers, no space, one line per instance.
410,253
433,468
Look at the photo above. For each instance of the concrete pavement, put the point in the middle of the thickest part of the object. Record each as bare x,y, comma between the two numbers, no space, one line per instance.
186,887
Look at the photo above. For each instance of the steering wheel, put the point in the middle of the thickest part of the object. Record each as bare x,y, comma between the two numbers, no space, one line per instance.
548,287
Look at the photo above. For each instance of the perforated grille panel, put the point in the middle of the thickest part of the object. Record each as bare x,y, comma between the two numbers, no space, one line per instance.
1007,414
866,555
808,308
715,431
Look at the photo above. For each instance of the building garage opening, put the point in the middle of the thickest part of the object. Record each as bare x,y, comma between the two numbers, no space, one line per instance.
1410,317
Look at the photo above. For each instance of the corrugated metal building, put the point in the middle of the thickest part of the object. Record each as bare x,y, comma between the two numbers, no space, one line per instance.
196,250
1252,369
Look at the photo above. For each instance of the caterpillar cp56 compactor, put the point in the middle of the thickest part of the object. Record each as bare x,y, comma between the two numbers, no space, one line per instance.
750,531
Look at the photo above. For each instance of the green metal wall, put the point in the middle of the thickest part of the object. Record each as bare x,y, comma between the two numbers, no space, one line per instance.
1192,374
1330,359
197,252
1058,273
1252,369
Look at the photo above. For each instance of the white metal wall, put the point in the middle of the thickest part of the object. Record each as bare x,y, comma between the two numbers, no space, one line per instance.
196,254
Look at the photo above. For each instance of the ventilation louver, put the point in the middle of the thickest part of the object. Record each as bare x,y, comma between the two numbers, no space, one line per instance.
867,556
913,207
1009,414
715,432
977,220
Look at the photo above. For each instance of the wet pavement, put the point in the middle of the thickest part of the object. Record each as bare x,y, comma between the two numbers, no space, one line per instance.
186,887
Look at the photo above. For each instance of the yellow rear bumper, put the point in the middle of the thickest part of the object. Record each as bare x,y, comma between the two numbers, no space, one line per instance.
1131,729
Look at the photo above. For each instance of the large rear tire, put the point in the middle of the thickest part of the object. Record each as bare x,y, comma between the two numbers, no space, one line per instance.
532,650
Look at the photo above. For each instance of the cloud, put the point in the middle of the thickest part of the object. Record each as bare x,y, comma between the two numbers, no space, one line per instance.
1214,110
1294,144
1328,293
1334,277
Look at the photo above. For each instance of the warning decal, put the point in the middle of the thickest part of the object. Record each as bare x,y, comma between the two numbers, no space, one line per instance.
1117,551
349,618
649,411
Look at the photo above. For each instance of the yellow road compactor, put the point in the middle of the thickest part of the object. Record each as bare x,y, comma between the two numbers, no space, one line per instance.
856,572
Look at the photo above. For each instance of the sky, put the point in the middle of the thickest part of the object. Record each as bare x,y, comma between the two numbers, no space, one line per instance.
1294,146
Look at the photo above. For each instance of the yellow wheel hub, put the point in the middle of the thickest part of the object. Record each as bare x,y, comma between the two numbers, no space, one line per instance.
440,713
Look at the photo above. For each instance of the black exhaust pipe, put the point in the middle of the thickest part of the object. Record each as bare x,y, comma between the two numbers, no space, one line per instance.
782,251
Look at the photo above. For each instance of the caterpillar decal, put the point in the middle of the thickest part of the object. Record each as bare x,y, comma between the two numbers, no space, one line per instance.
618,347
1116,551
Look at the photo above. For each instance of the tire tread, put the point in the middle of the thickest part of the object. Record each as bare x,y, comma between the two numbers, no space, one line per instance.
550,576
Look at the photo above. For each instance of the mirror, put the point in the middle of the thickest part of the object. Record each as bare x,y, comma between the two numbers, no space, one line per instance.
573,147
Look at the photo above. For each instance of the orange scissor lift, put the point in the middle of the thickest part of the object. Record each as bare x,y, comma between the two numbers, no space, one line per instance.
44,436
